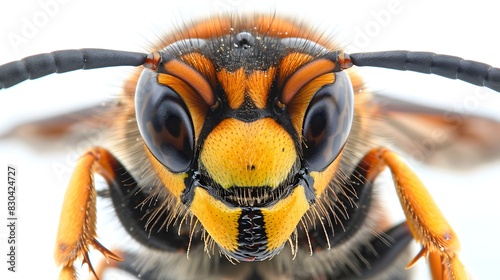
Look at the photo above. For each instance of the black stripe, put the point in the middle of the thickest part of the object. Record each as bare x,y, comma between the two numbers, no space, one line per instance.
252,239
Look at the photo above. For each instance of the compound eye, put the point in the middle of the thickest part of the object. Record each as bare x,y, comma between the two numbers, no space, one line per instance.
327,123
164,123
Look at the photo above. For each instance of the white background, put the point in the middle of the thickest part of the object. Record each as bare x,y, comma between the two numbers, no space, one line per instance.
469,199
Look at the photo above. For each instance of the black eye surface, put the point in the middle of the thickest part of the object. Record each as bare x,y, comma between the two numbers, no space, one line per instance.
327,122
164,123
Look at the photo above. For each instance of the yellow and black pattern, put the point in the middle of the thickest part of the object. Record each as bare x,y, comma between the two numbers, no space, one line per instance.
241,135
243,117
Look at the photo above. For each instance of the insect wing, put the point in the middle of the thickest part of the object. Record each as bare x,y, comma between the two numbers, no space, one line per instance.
437,136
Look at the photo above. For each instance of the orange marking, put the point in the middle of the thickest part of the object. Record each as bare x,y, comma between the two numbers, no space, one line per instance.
446,268
289,64
77,224
233,84
304,75
236,84
455,269
79,202
435,265
202,65
258,85
197,107
298,105
426,222
68,273
193,78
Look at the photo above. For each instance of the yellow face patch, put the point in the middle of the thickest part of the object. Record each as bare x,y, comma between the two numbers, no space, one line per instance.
220,221
248,154
282,218
174,182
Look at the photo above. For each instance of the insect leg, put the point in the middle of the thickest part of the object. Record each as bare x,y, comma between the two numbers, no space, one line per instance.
426,222
77,224
126,266
104,265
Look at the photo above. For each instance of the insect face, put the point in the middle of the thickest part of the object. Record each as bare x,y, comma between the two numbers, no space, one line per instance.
242,163
216,113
